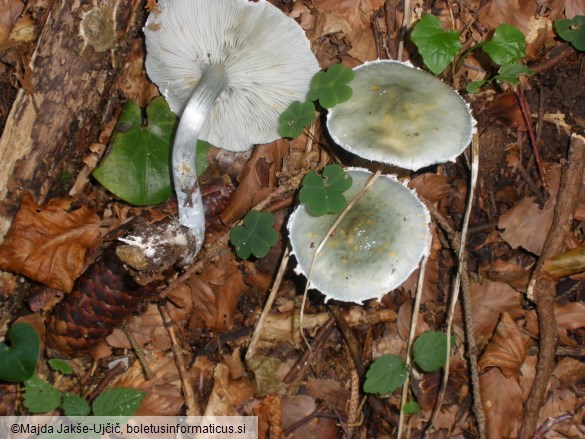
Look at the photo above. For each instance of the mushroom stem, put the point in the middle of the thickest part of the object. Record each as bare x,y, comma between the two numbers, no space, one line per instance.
191,215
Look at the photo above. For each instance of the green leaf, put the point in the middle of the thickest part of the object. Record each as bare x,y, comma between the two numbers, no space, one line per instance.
295,118
511,73
18,362
323,195
474,86
572,31
437,47
137,167
39,396
385,375
429,350
506,46
74,405
411,408
256,236
121,401
330,87
60,366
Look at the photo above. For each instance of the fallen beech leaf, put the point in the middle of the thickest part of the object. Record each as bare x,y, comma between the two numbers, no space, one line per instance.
227,394
488,301
509,272
565,264
569,371
502,403
48,244
506,349
430,186
570,316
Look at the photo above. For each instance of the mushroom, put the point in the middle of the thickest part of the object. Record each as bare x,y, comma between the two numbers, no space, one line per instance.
402,116
228,68
375,247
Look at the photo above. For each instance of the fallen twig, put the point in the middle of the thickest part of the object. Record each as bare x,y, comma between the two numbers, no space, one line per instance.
542,289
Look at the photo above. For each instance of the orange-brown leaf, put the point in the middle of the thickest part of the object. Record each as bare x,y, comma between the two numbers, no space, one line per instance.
506,349
48,244
502,403
565,264
569,317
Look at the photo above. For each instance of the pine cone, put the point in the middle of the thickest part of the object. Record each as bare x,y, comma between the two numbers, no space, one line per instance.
101,299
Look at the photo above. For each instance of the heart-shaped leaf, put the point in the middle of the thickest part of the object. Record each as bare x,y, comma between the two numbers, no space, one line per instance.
506,46
256,236
429,350
385,375
323,195
572,31
19,361
330,87
295,118
437,47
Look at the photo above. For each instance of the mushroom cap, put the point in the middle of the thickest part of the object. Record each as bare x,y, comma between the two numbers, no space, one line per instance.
375,247
402,116
265,55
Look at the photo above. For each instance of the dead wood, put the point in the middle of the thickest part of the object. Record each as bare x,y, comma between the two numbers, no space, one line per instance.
544,288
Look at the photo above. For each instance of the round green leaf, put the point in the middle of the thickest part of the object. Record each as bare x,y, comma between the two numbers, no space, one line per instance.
121,401
411,408
385,375
19,361
429,350
437,47
295,118
39,396
506,46
330,87
572,31
256,236
74,405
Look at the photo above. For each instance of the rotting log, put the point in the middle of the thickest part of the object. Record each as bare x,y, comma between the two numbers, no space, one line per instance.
77,59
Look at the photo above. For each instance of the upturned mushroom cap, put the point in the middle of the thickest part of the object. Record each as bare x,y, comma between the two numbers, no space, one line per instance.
264,55
375,247
402,116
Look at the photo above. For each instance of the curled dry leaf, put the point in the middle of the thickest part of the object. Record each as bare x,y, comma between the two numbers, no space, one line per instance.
510,272
430,186
569,317
49,243
227,394
506,349
502,403
565,264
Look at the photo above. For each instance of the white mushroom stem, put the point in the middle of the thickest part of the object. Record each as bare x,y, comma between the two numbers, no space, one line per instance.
191,214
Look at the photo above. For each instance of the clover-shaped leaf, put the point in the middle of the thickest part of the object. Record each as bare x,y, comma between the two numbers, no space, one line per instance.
572,31
19,361
437,47
506,46
330,87
323,195
295,118
385,375
137,167
256,236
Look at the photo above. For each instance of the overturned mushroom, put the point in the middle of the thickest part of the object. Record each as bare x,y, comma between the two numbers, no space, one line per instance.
402,116
375,247
229,68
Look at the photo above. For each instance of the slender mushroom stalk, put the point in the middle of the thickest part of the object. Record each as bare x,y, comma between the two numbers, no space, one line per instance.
191,215
228,68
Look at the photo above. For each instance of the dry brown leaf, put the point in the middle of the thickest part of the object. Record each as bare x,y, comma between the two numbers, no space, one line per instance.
296,408
227,394
163,393
502,403
574,7
10,11
148,327
330,391
430,186
570,316
569,371
566,264
509,272
49,243
506,349
488,301
215,293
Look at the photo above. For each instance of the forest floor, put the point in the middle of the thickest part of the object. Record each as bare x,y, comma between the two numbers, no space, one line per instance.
198,335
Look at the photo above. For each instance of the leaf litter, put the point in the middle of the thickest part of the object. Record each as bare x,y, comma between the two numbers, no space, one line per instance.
217,308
